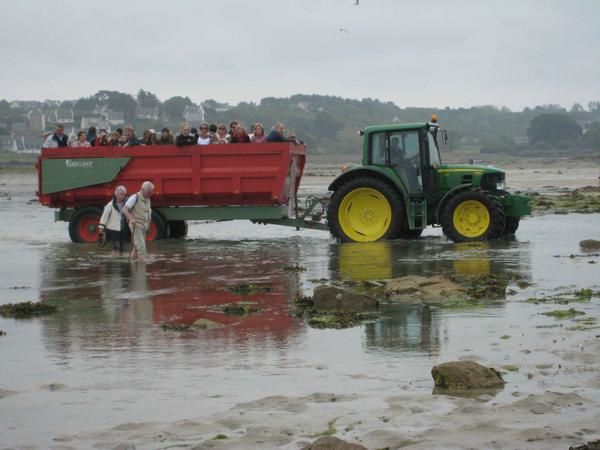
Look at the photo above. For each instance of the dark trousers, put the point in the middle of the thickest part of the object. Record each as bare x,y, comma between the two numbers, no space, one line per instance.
116,239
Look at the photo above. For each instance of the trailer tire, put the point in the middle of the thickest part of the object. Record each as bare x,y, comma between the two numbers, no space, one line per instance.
83,226
178,229
365,209
157,229
473,216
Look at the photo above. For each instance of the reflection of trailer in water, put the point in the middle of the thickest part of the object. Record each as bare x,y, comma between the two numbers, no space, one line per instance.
192,283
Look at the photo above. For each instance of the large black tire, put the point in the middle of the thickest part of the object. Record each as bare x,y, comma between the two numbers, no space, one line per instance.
511,226
410,234
83,226
178,229
390,226
494,208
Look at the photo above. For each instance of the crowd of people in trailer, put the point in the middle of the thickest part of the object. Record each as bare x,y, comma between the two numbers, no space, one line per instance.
205,134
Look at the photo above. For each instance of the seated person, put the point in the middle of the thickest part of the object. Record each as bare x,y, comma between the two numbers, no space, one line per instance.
57,139
292,138
397,153
405,166
149,137
259,134
166,138
101,139
204,136
115,139
185,137
221,136
81,140
129,139
276,134
240,136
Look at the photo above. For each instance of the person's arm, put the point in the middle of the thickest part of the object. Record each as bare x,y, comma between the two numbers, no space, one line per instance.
105,217
128,207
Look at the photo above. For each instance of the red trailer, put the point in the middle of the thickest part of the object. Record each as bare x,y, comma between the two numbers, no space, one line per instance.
257,182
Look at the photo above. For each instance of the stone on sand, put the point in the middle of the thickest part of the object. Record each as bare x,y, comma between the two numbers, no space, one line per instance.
334,298
434,287
458,375
590,244
333,443
592,445
205,324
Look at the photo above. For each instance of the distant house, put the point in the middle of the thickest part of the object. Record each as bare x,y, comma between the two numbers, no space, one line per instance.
520,140
147,113
37,120
25,104
303,106
95,121
114,117
194,114
63,116
6,142
18,126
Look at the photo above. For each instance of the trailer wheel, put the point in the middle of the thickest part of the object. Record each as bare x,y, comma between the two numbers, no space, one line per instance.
178,229
365,209
157,228
83,226
473,216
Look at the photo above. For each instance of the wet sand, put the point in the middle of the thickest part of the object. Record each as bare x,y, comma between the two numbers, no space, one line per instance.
102,373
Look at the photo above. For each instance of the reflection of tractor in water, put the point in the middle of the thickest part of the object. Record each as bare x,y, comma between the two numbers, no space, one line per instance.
402,187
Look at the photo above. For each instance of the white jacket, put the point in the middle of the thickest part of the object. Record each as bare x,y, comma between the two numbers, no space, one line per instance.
111,218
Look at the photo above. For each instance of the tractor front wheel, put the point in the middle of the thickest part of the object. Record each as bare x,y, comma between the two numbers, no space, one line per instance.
365,209
511,226
473,216
83,226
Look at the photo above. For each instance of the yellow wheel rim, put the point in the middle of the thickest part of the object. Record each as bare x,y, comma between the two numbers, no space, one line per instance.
471,219
365,215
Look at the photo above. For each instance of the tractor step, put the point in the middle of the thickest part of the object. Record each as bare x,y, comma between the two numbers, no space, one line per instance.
417,209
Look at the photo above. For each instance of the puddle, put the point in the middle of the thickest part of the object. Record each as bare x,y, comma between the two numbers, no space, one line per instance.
106,345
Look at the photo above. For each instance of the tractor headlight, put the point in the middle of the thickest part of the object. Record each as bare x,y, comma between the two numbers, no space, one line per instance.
501,185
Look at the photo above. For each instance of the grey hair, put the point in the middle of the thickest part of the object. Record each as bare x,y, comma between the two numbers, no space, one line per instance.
147,186
120,189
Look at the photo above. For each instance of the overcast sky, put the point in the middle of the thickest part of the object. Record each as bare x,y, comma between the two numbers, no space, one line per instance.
511,53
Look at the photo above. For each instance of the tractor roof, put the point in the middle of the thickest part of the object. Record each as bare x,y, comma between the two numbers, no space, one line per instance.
396,126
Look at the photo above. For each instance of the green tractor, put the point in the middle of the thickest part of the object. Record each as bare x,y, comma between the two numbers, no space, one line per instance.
402,187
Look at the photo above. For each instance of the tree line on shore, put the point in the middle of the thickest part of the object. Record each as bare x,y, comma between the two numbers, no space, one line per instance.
328,124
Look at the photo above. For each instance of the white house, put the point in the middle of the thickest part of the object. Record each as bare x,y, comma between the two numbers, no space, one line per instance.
194,114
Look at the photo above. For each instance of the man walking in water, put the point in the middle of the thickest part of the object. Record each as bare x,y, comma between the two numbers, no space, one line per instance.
138,213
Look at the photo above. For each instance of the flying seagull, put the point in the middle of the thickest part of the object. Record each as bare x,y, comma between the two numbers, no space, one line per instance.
343,30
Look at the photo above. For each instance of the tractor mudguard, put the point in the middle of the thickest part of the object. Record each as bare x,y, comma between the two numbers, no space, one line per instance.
385,173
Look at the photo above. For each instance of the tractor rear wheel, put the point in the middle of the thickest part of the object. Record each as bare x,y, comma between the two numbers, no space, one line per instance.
83,226
178,229
473,216
511,226
365,209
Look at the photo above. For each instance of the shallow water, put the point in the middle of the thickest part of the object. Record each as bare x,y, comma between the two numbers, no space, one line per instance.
103,359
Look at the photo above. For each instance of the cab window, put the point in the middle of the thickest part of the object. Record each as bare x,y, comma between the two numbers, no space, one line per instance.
378,149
